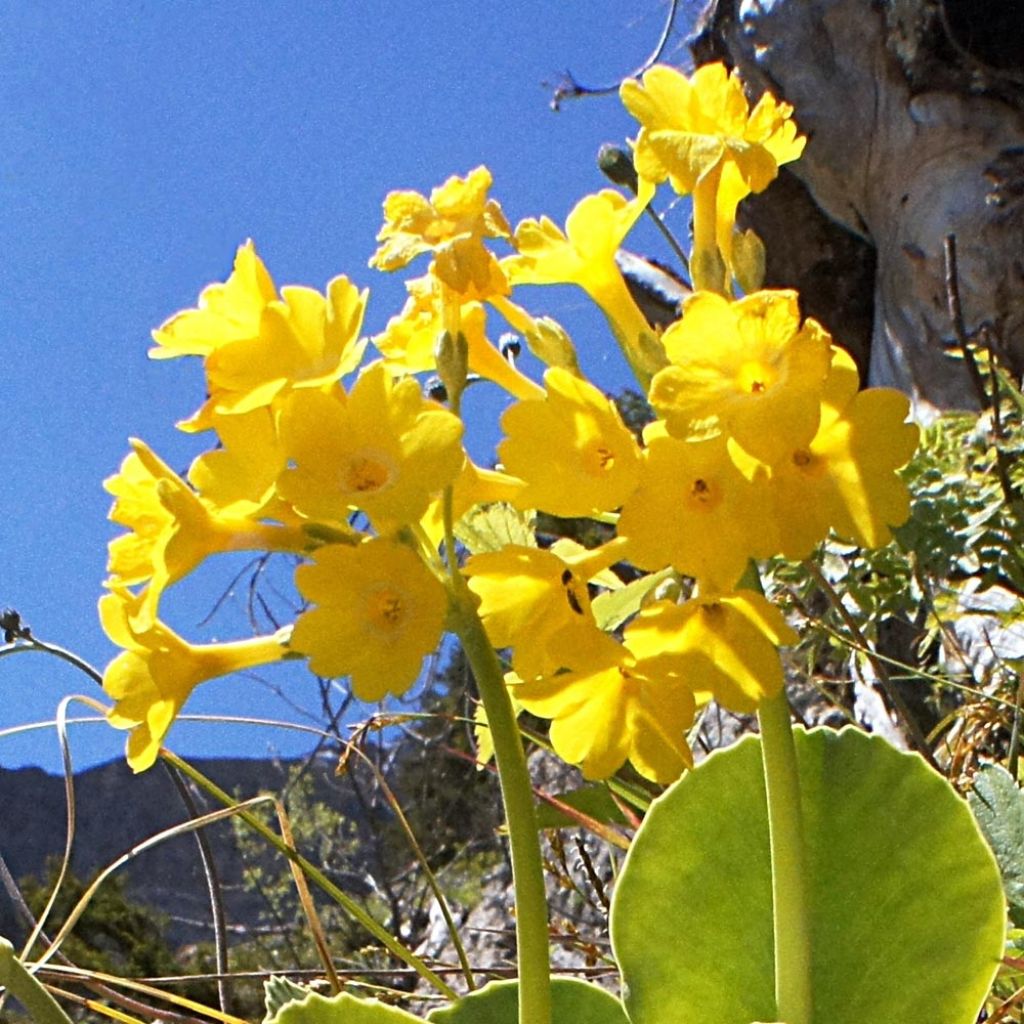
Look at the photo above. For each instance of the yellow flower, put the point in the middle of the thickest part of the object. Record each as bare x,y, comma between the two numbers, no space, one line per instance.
614,705
695,510
238,477
378,612
226,313
537,603
584,255
452,225
153,677
171,529
751,364
256,346
845,478
409,341
573,451
701,135
724,646
383,449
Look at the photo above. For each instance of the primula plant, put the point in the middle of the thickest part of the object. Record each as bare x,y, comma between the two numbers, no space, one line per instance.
799,876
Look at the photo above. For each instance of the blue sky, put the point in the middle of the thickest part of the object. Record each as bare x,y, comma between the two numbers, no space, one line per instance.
141,141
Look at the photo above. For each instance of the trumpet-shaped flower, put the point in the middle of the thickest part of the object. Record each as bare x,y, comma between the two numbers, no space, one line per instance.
152,678
584,255
750,363
226,313
615,705
724,646
701,135
238,477
845,478
695,510
452,225
172,530
256,346
537,603
383,449
378,612
598,460
409,341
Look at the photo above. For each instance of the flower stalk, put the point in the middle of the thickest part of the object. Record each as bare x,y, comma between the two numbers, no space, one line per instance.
520,817
789,869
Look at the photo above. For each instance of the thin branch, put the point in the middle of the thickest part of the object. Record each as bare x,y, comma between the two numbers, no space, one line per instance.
956,316
213,884
987,401
570,89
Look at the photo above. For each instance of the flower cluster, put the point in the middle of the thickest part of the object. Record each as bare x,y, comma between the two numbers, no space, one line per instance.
762,443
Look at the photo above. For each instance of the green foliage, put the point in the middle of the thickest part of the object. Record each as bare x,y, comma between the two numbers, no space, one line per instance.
906,907
279,992
343,1009
998,805
115,934
572,1002
347,827
965,535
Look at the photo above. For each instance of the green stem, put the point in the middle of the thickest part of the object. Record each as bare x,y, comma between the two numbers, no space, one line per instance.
27,989
789,869
520,817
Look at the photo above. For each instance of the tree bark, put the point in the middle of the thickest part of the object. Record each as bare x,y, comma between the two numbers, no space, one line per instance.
915,121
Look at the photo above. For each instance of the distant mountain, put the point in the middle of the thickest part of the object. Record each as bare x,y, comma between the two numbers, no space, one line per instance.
115,810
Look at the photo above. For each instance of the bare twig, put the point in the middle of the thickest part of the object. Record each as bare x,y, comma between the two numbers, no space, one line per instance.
570,89
956,316
213,885
987,401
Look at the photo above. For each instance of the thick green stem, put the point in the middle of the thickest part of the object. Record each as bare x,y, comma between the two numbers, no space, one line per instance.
789,869
20,983
520,817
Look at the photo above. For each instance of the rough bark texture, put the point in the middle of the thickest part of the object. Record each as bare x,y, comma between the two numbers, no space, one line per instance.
913,112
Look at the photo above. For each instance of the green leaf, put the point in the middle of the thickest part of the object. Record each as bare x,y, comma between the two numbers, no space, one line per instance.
594,801
572,1002
278,992
907,913
341,1009
493,527
998,804
613,608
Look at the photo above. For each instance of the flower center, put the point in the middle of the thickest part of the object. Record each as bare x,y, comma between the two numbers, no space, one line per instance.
704,496
602,457
755,378
367,473
387,609
807,462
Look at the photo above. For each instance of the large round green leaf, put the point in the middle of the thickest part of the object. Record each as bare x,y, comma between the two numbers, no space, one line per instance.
907,912
340,1009
572,1002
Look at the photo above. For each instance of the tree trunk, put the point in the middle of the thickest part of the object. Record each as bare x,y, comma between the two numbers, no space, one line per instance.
915,133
